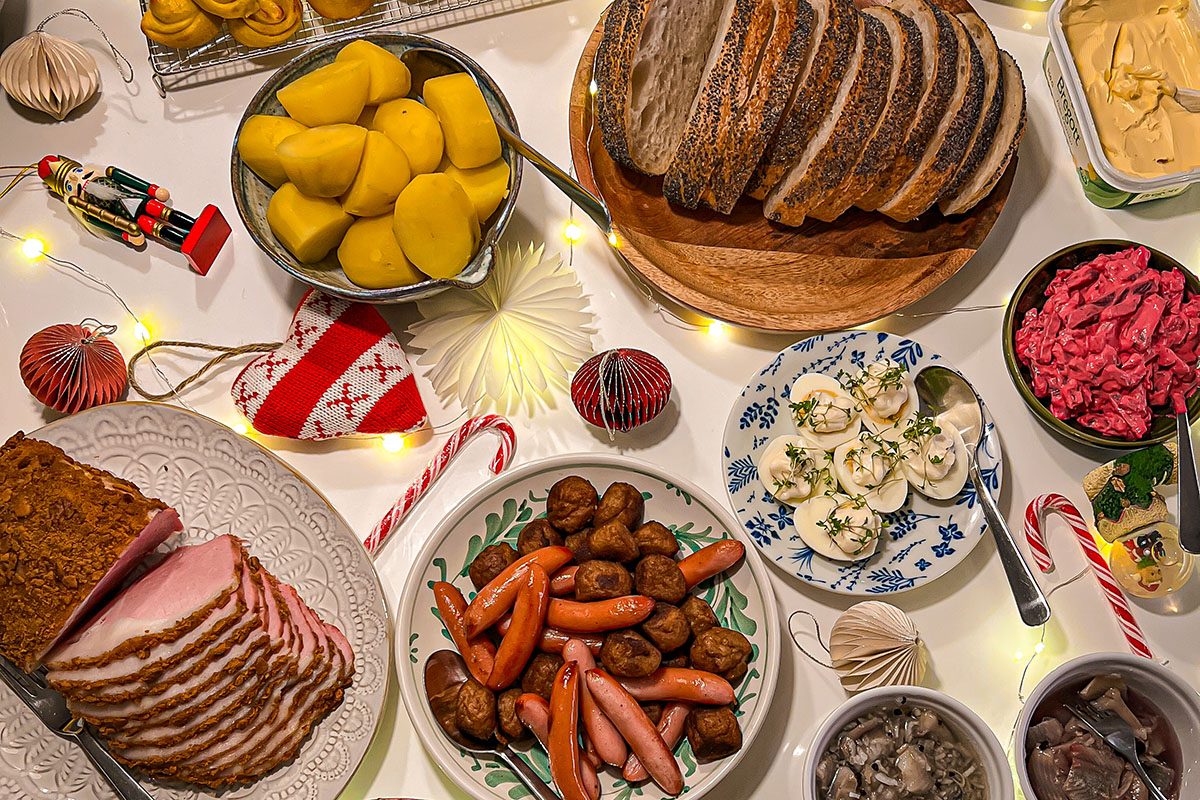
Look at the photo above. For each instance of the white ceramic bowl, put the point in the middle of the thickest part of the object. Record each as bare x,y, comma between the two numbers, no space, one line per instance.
964,721
1166,691
742,599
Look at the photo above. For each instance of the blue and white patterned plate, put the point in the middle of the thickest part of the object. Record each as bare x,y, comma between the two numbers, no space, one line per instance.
923,541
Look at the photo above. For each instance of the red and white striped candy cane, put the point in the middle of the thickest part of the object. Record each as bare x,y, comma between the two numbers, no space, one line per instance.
413,494
1035,516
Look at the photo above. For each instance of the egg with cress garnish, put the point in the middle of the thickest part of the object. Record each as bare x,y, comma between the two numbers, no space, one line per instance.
824,413
886,394
838,527
871,466
793,472
935,458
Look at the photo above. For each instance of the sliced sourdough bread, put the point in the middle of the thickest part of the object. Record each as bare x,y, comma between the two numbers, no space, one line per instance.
843,134
779,40
1003,147
993,101
949,144
905,85
661,58
939,62
835,33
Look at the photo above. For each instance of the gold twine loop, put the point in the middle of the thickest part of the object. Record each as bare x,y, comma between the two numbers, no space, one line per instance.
226,353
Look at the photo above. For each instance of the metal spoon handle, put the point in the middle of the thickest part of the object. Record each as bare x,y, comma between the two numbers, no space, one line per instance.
593,206
1189,490
1031,602
526,775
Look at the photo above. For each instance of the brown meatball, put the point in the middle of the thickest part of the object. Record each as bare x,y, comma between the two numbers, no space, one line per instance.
721,651
655,539
476,714
627,654
713,733
536,535
667,627
653,711
699,614
659,577
677,659
577,543
614,542
538,677
602,580
509,726
490,562
621,502
571,504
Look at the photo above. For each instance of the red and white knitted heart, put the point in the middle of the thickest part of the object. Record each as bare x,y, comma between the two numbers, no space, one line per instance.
340,372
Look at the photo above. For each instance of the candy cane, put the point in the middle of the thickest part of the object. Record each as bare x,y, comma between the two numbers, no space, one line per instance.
1035,516
413,494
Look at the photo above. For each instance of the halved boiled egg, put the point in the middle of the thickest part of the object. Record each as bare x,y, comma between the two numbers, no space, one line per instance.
824,413
935,458
838,527
793,472
887,395
871,467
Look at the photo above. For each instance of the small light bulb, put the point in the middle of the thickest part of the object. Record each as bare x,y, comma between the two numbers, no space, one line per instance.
593,88
142,332
1026,27
241,428
1038,648
612,239
1019,656
33,248
572,233
717,329
393,442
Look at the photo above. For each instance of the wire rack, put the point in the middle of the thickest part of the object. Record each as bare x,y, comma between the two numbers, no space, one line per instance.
420,14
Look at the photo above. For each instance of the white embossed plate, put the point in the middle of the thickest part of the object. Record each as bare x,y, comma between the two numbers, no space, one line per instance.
924,540
221,482
496,512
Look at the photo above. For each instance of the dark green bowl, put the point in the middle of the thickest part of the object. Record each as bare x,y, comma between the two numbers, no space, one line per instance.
1031,293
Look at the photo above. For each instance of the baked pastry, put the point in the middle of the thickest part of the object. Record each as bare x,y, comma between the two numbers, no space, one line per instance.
69,533
274,22
179,23
340,9
229,9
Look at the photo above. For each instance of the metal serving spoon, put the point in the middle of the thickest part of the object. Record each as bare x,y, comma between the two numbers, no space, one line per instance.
1189,488
445,670
425,63
946,394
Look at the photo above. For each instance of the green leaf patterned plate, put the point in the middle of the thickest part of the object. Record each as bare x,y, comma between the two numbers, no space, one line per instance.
742,599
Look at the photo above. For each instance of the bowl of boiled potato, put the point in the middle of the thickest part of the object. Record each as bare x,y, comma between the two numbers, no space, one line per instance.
364,191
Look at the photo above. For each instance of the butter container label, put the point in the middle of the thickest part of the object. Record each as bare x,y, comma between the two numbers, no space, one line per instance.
1095,188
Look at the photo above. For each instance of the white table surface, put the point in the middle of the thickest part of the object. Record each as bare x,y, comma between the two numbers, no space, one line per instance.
967,619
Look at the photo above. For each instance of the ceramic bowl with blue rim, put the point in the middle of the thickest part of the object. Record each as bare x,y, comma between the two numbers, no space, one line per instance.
921,542
742,599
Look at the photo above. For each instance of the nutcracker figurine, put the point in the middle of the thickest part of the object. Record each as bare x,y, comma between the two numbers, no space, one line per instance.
111,202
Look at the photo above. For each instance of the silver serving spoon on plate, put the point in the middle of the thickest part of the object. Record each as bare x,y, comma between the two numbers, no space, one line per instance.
425,63
1189,488
946,395
444,672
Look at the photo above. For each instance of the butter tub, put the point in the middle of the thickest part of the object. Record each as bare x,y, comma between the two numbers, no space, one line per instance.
1103,184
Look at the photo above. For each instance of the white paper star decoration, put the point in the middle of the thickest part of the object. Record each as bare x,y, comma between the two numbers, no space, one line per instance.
513,341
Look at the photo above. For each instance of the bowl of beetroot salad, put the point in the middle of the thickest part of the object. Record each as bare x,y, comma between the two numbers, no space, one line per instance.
1102,341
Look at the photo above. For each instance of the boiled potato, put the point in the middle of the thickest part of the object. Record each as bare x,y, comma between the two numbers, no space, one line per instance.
467,124
323,161
382,174
415,128
373,259
436,225
486,186
309,227
256,144
389,76
334,93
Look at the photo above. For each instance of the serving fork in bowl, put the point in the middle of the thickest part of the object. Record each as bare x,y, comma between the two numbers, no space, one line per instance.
1111,729
50,707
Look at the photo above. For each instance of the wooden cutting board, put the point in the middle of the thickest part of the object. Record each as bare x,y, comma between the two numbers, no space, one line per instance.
750,271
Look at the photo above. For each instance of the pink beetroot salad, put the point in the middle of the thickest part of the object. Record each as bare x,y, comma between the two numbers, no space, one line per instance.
1114,341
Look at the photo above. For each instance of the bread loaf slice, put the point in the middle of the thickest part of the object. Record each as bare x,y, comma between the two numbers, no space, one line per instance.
906,82
843,134
835,33
993,100
939,60
1003,146
777,42
949,144
661,57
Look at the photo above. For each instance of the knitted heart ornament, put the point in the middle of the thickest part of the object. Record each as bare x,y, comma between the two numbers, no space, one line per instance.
340,372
